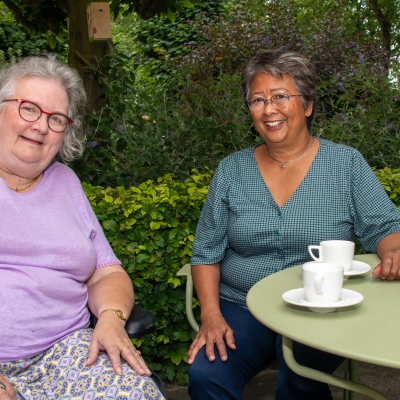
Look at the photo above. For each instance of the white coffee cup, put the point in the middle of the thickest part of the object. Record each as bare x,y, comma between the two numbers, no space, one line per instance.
335,251
322,282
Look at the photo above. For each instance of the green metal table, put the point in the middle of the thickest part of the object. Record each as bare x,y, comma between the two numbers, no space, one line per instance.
368,331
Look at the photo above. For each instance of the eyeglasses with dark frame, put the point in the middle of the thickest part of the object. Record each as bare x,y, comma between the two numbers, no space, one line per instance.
279,100
31,112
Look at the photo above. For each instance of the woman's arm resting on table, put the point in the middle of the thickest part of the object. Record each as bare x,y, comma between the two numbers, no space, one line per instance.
111,287
8,393
389,252
213,328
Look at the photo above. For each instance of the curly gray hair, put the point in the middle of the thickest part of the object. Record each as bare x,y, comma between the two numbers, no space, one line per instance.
280,62
48,67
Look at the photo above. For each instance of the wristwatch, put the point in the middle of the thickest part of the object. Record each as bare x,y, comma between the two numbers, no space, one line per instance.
120,314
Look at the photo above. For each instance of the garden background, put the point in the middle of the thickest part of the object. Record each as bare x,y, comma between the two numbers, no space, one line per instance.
165,107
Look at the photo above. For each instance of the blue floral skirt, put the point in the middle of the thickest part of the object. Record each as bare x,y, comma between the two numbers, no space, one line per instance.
60,373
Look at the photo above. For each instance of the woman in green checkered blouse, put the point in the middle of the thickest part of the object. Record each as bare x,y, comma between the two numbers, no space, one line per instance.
265,205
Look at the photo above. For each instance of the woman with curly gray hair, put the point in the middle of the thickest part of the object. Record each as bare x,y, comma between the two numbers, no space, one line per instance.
55,262
49,68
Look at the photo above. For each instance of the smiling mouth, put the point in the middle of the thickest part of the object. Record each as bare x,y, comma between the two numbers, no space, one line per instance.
274,123
31,140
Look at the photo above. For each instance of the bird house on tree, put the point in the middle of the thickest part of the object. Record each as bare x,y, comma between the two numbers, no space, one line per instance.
98,20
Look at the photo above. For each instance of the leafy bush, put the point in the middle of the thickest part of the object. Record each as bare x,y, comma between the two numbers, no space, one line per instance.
194,129
15,41
198,125
151,228
229,42
390,180
154,40
150,129
362,109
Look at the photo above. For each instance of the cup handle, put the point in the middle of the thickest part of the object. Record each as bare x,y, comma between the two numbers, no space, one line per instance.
310,250
319,282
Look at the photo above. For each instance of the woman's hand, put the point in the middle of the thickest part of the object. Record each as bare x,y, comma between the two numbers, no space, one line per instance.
389,267
388,250
213,330
109,335
8,393
111,287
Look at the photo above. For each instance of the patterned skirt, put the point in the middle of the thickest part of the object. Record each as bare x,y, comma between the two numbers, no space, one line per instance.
60,373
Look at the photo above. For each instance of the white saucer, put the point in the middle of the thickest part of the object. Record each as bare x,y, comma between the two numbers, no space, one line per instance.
358,268
348,298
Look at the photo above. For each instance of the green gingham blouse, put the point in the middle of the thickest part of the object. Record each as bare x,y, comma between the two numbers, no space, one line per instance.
243,228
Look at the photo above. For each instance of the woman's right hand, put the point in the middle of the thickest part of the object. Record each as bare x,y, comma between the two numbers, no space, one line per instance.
8,393
213,330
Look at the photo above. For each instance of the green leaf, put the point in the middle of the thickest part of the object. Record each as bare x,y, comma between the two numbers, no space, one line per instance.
174,281
172,233
154,225
170,372
52,41
132,247
142,258
110,225
171,16
188,4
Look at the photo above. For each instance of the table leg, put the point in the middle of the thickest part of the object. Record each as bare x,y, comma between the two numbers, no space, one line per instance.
310,373
353,376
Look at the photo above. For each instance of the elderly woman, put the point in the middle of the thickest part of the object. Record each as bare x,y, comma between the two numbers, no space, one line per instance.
265,205
55,261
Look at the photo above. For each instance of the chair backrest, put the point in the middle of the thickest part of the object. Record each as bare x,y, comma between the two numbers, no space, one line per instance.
186,270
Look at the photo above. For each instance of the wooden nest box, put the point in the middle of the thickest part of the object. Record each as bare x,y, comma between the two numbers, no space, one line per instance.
98,20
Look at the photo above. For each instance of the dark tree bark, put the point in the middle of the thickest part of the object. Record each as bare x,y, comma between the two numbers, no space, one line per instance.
85,56
384,24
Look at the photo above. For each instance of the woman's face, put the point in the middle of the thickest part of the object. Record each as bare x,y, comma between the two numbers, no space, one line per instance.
278,125
27,148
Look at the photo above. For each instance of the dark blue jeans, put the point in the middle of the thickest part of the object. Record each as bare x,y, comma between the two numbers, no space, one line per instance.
256,346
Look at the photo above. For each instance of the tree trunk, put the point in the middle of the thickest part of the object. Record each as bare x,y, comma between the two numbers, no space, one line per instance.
85,56
384,24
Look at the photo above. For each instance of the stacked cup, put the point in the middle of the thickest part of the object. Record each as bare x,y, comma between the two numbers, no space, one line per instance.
323,278
336,252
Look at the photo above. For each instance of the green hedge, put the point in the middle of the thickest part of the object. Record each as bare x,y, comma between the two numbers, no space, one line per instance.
151,229
390,180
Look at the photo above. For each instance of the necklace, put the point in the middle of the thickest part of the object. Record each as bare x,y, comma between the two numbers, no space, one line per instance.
27,187
283,163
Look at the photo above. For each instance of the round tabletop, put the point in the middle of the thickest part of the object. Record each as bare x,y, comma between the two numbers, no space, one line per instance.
368,331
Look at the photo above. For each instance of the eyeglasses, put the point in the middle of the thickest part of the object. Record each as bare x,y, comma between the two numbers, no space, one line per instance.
31,112
279,100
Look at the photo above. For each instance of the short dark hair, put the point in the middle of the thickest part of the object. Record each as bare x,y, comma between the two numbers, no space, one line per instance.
278,63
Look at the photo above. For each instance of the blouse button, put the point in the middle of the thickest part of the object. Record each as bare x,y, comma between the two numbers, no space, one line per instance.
279,213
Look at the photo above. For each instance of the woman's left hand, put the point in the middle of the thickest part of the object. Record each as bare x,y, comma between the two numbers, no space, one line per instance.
109,335
389,267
